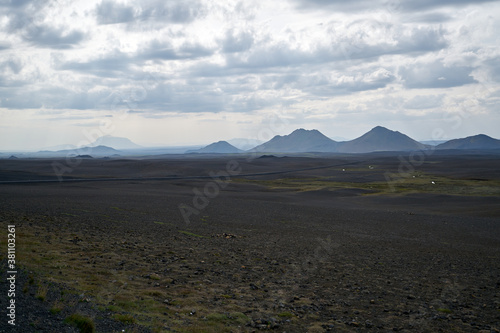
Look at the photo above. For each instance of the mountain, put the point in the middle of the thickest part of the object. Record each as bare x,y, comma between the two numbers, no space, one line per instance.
244,144
380,139
221,147
298,141
114,142
92,151
480,141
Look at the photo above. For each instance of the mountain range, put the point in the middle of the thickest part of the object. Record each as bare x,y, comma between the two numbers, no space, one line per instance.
377,139
299,141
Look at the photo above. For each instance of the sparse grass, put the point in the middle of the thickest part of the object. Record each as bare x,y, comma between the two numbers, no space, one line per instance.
234,318
191,234
285,314
219,317
443,310
84,324
125,318
41,292
56,308
395,184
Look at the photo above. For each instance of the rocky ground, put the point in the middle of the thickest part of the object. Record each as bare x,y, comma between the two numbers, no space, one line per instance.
265,253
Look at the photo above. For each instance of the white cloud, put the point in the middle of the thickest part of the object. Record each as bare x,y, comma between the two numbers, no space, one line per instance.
380,60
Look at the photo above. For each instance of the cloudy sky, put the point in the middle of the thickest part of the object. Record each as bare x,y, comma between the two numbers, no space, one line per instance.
196,71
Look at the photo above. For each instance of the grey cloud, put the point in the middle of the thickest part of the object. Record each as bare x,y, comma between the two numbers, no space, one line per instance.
4,46
111,65
421,102
493,66
435,75
237,41
428,18
19,99
410,5
322,85
119,64
337,5
14,64
14,3
46,36
109,12
390,6
341,48
422,40
165,51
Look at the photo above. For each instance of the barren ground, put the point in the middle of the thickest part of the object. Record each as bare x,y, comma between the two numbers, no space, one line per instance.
367,243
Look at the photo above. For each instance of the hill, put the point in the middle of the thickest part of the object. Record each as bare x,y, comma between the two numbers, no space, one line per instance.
380,139
221,147
480,141
91,151
298,141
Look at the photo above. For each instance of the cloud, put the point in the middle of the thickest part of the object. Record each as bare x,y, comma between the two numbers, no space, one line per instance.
429,17
390,6
421,102
237,41
435,75
166,51
4,46
345,84
112,65
110,12
179,12
410,5
51,37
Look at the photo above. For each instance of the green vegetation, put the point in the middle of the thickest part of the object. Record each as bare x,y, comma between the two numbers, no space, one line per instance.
57,308
443,310
191,234
285,314
125,318
41,292
84,324
394,184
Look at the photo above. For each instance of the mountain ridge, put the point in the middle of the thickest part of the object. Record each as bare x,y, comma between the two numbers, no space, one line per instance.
220,147
300,140
479,141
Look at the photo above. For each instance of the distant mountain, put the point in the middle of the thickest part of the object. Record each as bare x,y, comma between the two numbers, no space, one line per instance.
245,144
298,141
221,147
380,139
114,142
432,142
480,141
92,151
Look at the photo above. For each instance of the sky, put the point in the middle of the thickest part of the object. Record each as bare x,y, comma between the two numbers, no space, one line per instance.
197,71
